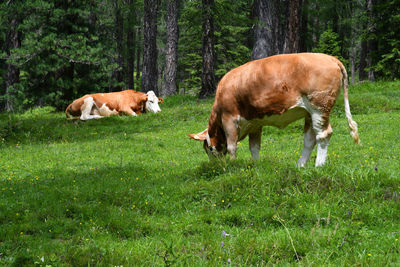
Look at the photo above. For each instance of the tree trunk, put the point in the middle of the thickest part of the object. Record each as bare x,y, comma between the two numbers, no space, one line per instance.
208,77
131,58
171,56
303,27
354,46
149,73
315,30
118,73
130,42
12,75
138,66
353,65
293,34
362,74
372,42
266,29
282,15
335,18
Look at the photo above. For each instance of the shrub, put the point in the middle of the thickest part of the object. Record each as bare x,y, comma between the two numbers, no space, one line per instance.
329,44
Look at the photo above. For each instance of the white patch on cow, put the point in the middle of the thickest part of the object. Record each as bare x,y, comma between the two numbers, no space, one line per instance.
281,121
95,111
309,143
232,150
105,111
87,108
208,140
322,136
316,115
296,112
152,102
322,152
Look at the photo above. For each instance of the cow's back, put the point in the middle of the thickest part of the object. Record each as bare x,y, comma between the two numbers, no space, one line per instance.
272,85
113,100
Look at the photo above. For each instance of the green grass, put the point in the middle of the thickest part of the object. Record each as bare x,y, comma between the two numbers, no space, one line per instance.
136,191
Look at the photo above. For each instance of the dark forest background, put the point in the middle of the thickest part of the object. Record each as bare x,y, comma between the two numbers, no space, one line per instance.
55,51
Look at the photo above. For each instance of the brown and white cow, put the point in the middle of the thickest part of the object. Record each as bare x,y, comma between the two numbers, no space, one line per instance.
277,91
100,105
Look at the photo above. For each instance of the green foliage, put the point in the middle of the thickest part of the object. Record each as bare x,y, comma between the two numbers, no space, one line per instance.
231,34
69,48
388,32
190,47
136,191
389,65
66,50
232,27
329,44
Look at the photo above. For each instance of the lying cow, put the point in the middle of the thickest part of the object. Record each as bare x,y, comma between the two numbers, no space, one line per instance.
276,91
100,105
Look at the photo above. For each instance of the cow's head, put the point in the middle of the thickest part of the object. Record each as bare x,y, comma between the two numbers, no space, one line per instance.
214,146
152,102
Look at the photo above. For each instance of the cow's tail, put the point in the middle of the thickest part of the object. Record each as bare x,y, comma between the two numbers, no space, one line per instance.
68,114
351,122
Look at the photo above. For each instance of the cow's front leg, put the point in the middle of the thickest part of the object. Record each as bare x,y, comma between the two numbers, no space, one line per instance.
255,143
105,111
129,111
309,143
231,133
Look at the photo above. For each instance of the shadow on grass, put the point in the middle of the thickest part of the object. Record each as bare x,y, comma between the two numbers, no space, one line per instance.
209,170
114,200
49,128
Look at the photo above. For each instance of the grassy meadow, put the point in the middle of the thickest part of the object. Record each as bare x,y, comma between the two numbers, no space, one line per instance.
136,191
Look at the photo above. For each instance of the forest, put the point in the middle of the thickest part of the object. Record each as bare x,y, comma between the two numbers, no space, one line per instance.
55,51
136,191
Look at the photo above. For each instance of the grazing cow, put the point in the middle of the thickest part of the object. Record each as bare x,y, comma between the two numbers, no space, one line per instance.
100,105
277,91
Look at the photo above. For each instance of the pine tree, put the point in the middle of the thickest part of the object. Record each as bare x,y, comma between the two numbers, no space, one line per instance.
266,29
149,73
171,57
208,76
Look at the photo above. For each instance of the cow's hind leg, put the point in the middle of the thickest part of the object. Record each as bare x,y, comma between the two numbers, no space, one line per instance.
309,142
255,143
323,132
322,145
86,109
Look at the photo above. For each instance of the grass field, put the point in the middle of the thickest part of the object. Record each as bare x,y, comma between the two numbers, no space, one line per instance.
136,191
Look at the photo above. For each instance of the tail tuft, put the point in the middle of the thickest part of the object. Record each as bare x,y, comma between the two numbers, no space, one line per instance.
352,124
354,131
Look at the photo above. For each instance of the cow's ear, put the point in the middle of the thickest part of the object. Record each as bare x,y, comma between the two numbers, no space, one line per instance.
160,100
199,136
